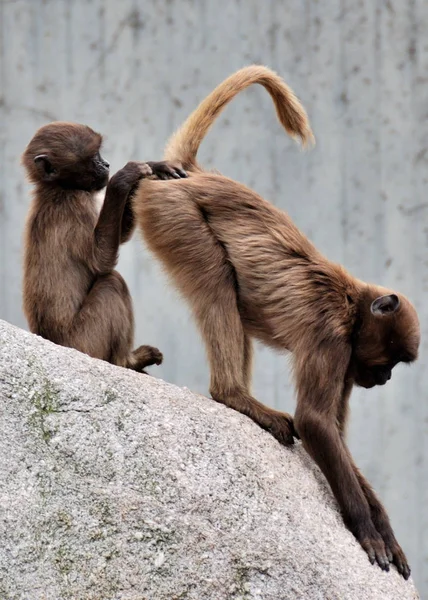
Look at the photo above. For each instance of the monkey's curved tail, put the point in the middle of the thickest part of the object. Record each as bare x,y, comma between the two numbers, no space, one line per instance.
184,143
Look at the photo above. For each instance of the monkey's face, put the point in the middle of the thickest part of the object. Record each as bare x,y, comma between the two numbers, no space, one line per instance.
90,174
67,155
389,334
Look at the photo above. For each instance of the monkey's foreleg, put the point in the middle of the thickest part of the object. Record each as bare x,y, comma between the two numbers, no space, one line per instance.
320,382
383,526
323,442
378,513
109,231
128,221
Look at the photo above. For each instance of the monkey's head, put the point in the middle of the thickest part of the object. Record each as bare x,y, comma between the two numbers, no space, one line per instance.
387,333
66,155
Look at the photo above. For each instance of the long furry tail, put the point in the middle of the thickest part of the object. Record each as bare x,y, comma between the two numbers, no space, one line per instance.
184,143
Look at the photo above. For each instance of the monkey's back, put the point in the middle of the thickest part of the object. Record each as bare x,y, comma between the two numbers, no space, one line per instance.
279,273
56,276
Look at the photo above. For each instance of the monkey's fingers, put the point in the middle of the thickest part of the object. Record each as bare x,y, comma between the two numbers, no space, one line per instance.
165,170
181,173
174,171
402,567
376,551
399,560
394,552
165,177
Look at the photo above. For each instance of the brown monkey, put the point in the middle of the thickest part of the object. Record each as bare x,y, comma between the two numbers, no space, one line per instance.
247,271
72,294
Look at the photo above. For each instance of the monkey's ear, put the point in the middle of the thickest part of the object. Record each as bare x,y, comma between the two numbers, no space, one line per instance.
45,168
385,305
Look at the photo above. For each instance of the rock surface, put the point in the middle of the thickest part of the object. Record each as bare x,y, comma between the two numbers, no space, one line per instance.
118,486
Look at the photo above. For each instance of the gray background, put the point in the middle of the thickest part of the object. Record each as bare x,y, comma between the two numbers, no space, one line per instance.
134,70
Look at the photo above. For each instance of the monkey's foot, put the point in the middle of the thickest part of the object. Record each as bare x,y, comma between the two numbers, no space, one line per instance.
281,426
144,356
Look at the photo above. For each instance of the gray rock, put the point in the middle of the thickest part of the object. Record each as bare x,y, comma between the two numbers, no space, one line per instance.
115,485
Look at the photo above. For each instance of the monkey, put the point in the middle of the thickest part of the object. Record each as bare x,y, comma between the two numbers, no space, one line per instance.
72,295
248,272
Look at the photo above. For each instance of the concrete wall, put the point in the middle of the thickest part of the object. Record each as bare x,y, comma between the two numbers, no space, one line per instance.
135,69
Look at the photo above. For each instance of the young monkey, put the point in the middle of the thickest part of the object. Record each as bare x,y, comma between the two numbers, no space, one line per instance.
72,294
248,271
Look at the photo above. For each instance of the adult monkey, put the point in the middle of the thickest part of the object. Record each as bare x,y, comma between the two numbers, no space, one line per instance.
72,294
248,271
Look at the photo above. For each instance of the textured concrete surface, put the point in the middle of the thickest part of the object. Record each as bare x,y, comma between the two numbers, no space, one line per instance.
115,485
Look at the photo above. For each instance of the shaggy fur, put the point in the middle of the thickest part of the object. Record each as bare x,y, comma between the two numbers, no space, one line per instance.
72,294
248,271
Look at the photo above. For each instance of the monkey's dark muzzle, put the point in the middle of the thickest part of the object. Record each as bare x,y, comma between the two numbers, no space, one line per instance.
377,377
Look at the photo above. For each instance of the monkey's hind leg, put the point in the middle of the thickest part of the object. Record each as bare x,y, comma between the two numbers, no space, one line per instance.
247,361
229,352
179,233
144,356
104,326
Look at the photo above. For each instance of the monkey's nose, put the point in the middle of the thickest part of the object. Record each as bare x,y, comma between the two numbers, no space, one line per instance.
106,164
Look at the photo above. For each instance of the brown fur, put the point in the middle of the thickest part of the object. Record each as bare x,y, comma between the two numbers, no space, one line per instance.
184,144
247,271
72,294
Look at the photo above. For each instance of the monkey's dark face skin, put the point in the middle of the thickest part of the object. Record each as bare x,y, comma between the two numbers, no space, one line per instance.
377,370
89,174
368,377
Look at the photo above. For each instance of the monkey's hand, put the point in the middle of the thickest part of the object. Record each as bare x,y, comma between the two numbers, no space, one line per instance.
394,552
166,170
127,178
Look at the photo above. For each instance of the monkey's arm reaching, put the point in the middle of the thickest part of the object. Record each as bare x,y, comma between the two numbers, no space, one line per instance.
320,384
128,221
108,231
